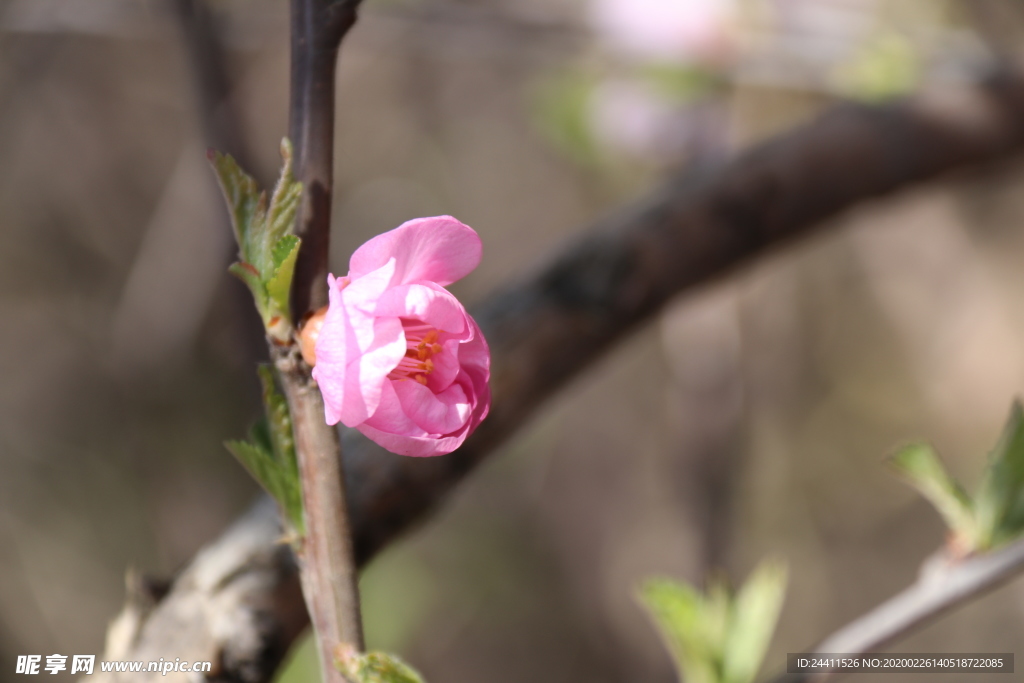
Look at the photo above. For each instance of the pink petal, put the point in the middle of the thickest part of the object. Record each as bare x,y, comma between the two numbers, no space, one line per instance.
446,366
390,417
355,350
428,303
352,391
436,414
416,447
439,249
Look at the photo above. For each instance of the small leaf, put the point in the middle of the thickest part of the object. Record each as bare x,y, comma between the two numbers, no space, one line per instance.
921,467
260,463
285,201
998,503
251,277
241,193
682,616
279,286
755,612
267,251
377,667
281,438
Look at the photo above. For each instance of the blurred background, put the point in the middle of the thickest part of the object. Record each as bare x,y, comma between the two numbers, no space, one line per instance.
751,419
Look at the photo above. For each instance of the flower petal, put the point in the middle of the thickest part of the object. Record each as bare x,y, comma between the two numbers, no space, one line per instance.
446,366
432,305
355,351
439,249
390,417
436,414
414,446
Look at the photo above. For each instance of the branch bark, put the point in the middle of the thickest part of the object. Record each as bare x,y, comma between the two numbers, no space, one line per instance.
943,585
326,565
704,223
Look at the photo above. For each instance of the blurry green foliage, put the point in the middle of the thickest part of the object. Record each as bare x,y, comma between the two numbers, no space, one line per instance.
562,115
377,667
995,515
718,636
888,65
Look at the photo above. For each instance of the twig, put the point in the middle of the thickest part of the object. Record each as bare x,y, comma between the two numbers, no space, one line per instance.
547,329
943,585
327,567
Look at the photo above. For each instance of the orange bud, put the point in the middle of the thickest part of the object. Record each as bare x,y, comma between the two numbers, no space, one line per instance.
309,333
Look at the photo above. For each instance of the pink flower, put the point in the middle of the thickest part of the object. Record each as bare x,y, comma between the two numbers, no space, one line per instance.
398,357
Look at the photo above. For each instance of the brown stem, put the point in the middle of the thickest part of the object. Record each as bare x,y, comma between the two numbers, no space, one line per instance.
327,570
326,564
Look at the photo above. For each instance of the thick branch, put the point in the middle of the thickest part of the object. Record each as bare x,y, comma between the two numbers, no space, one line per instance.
703,224
943,585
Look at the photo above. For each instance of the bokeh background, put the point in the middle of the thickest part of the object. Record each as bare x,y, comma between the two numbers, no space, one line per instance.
750,420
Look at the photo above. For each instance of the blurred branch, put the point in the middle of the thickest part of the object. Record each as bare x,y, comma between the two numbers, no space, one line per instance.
222,126
162,306
944,584
701,225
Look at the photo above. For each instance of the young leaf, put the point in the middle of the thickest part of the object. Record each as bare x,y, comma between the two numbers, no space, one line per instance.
377,667
285,201
279,286
755,612
241,193
998,502
251,277
282,445
682,615
266,249
921,467
260,463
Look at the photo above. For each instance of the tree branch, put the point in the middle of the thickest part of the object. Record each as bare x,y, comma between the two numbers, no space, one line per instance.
318,27
326,565
943,585
702,224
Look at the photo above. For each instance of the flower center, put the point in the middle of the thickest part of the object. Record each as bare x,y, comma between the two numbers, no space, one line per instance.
421,346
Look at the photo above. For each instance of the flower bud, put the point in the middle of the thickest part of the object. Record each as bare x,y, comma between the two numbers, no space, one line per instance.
309,333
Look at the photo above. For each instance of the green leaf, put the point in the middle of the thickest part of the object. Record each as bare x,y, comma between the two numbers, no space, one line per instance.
280,436
998,504
245,203
248,274
921,467
279,286
285,201
377,667
755,612
260,463
718,637
270,454
682,614
267,250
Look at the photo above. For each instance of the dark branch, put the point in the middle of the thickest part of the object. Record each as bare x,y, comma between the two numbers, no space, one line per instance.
703,224
317,28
